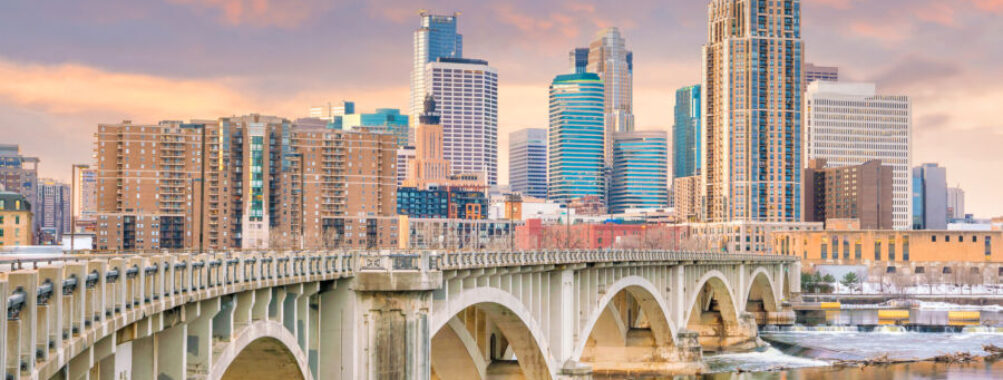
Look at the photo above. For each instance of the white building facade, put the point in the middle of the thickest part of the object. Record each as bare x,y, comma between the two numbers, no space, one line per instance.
849,124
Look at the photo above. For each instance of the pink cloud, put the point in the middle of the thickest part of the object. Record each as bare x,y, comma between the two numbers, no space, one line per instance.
989,5
886,32
837,4
263,13
940,13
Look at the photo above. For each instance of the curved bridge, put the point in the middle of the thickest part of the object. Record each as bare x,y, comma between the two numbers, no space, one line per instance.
327,315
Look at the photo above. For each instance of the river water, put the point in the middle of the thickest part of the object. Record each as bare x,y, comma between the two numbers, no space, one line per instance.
810,352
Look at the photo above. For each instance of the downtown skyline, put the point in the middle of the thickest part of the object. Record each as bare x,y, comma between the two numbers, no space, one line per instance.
65,83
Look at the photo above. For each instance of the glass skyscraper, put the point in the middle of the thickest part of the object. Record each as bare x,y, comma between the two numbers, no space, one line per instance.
436,37
640,171
527,152
752,89
610,59
929,197
576,138
686,133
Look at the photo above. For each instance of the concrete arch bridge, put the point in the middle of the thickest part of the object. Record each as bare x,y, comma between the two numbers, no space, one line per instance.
379,315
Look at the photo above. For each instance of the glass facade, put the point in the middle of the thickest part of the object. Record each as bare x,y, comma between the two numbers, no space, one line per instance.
640,168
436,37
527,172
686,133
576,138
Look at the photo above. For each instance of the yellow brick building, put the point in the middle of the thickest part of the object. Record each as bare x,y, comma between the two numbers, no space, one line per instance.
851,247
15,220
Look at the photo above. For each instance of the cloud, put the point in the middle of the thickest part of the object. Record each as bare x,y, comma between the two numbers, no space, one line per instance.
914,70
988,5
883,31
939,13
262,13
837,4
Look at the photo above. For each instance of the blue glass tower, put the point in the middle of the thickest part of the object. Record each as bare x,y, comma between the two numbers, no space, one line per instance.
527,152
686,133
576,138
436,37
640,171
388,121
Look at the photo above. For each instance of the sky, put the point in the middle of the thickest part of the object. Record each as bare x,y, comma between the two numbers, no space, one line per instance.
67,65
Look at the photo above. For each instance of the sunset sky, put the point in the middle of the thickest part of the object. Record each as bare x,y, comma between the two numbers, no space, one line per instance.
66,65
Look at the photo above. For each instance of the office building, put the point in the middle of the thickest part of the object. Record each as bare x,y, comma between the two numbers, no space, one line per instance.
15,219
85,194
333,113
752,159
429,168
609,58
576,163
640,171
442,203
52,210
466,94
861,192
527,152
814,73
437,37
579,60
929,197
686,194
387,121
848,124
955,203
686,142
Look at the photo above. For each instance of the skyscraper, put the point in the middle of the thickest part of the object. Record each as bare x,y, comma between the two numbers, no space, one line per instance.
527,152
19,174
579,60
610,59
576,163
466,92
686,133
85,195
640,171
752,84
849,123
929,197
955,203
53,209
436,37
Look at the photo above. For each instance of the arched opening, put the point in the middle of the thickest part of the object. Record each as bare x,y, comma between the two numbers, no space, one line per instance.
487,341
714,317
761,301
630,332
264,358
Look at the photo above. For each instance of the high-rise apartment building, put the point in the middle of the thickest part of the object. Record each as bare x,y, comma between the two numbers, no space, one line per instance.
686,141
862,192
686,195
466,94
848,124
576,163
436,37
929,197
955,203
640,171
339,190
236,183
19,174
405,155
752,89
52,210
814,73
527,152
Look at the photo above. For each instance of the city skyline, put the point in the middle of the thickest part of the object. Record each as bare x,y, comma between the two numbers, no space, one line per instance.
125,79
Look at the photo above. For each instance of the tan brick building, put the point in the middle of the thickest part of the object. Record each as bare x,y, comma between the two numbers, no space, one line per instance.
686,192
15,219
851,247
155,180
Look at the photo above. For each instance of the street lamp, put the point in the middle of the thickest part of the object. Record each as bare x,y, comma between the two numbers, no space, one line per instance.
73,213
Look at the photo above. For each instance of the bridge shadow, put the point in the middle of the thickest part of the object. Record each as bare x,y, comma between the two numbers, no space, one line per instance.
264,358
487,341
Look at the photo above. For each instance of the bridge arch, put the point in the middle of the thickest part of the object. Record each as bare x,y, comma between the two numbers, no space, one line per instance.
762,287
262,339
651,302
515,322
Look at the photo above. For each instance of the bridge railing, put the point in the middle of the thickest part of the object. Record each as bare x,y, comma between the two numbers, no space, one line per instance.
468,260
66,302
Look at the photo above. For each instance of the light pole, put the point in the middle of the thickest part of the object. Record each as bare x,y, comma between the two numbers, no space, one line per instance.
73,213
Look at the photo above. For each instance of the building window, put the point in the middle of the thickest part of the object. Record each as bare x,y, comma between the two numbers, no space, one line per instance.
877,250
933,238
947,238
989,247
846,249
947,270
857,251
825,251
920,270
905,248
891,251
